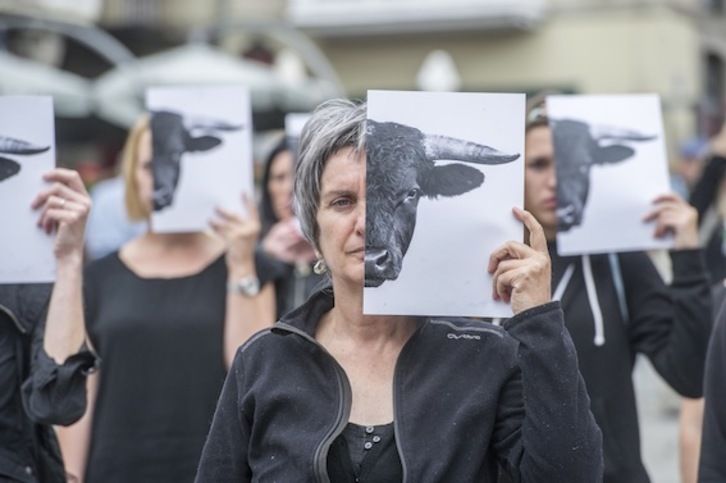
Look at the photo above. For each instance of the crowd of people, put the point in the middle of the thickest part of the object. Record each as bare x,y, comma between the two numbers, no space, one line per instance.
242,353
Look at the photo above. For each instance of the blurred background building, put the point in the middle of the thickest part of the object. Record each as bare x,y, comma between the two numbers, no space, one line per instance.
295,53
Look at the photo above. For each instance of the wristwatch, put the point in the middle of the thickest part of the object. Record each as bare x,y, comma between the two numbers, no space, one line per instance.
248,286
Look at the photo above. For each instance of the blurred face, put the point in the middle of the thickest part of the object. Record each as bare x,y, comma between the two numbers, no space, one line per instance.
540,197
341,217
144,176
279,185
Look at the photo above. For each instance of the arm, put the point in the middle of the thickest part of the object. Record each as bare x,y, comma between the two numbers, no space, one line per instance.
75,440
244,314
224,457
712,465
671,324
55,391
65,208
552,389
707,186
706,190
689,441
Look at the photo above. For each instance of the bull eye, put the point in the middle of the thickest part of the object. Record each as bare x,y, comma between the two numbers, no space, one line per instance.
413,194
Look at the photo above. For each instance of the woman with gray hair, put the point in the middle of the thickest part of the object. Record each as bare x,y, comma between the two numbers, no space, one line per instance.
331,394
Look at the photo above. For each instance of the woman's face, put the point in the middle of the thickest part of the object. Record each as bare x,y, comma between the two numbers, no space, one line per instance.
540,197
279,185
144,175
341,217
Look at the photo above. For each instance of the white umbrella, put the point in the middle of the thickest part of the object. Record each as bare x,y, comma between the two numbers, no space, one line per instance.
71,93
119,93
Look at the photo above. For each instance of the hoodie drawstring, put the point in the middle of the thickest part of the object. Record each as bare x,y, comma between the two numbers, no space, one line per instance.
591,296
594,302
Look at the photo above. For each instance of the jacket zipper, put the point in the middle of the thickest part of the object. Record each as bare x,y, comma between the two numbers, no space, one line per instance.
321,471
319,467
396,420
15,320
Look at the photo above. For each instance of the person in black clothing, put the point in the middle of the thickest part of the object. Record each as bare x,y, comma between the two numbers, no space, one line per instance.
43,360
331,394
617,306
290,254
166,314
709,198
712,464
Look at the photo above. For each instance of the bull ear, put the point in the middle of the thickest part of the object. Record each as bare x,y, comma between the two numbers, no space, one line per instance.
202,143
8,168
451,180
612,154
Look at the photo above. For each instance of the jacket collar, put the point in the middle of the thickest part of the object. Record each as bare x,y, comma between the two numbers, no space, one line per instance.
305,318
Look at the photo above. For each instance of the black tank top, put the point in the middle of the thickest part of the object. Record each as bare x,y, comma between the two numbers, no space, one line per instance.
365,454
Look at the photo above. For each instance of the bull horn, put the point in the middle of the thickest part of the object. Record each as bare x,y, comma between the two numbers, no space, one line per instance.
599,133
209,124
18,146
439,147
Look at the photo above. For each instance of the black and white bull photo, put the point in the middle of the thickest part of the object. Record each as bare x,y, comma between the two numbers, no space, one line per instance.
401,168
579,146
18,147
174,135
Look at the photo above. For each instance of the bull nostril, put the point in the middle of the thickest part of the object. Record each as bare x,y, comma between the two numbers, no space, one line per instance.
378,258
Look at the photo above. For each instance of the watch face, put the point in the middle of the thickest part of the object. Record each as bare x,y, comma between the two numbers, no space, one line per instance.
249,286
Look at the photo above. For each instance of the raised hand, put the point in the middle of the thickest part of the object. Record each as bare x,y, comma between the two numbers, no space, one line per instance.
285,242
522,271
673,215
65,206
240,233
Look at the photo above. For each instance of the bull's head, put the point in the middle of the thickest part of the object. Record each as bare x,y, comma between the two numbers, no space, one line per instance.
8,145
172,136
579,146
400,170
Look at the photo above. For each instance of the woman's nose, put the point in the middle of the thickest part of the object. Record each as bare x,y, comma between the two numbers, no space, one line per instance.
360,222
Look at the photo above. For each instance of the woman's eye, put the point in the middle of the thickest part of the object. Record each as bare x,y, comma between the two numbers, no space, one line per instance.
539,164
341,202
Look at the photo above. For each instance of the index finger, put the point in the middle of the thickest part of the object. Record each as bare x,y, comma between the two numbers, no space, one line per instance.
251,206
668,197
69,177
537,239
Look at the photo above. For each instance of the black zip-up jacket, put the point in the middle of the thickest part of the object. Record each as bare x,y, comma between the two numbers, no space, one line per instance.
470,398
670,324
712,464
35,392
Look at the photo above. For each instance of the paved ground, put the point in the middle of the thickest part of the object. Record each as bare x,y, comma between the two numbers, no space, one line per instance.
658,411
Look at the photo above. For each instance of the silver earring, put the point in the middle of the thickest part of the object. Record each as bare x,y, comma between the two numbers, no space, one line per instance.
320,267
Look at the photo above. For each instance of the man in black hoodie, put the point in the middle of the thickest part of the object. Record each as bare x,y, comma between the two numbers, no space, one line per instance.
617,306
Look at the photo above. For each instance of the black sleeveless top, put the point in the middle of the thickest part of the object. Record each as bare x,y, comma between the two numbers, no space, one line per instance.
365,454
161,346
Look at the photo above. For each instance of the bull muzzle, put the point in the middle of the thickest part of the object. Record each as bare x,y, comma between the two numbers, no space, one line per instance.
567,217
380,266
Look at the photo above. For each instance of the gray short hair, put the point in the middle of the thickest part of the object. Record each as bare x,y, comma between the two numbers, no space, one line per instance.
334,125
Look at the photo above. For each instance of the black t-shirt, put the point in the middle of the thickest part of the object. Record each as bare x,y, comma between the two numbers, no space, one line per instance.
162,367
